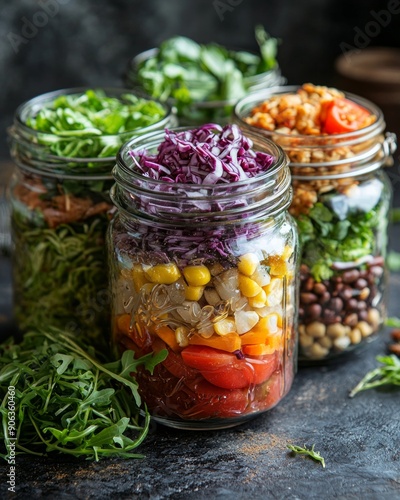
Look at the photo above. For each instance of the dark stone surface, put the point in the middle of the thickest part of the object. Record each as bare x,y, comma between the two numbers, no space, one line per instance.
359,439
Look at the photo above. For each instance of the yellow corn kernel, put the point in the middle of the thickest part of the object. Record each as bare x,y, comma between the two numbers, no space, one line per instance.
259,300
270,323
163,273
181,335
138,276
274,292
197,275
287,252
248,287
225,326
193,292
248,263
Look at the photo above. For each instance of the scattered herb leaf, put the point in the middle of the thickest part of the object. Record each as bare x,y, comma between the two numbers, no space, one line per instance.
315,455
393,261
392,322
387,374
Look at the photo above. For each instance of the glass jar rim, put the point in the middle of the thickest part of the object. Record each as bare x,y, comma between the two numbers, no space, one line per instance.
256,98
141,196
153,139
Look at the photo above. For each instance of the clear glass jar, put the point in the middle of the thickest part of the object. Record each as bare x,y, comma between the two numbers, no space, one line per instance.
202,110
341,200
60,212
180,258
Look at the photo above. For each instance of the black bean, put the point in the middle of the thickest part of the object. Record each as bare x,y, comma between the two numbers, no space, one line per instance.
352,305
314,311
350,276
361,283
308,298
363,315
319,288
335,304
346,293
329,316
308,285
324,298
361,305
351,320
377,271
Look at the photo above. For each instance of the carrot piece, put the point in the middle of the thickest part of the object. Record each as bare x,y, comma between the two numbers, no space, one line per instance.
230,342
124,323
168,336
254,337
257,349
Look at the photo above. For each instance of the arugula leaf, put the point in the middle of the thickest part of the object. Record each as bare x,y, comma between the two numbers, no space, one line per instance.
393,322
68,400
315,455
388,374
393,261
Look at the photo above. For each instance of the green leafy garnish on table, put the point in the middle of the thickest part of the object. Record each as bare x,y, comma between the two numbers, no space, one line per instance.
388,374
88,125
310,452
70,401
393,261
392,322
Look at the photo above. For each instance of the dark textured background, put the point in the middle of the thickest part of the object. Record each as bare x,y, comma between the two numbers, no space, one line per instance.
90,42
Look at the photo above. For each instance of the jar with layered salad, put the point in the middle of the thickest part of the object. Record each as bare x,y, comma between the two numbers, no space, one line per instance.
203,267
204,81
337,148
64,145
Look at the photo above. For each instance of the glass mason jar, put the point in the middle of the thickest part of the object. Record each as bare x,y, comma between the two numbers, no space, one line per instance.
181,259
61,208
341,200
203,109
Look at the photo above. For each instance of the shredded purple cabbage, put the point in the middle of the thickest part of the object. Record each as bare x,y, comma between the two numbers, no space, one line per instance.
210,154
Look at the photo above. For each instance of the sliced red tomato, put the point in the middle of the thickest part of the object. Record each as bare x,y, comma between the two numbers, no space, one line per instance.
342,115
224,370
215,402
174,364
206,358
263,367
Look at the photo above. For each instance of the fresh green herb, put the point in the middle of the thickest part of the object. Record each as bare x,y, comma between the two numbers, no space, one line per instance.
387,374
395,215
393,322
189,72
326,237
315,455
68,401
62,268
393,261
92,124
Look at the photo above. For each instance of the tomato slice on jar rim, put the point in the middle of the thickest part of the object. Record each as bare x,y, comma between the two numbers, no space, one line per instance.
341,115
